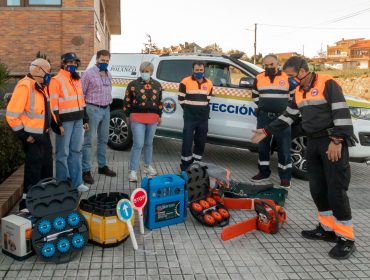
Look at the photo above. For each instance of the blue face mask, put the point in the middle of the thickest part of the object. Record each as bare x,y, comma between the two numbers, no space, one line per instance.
71,68
198,75
47,79
293,83
145,76
102,66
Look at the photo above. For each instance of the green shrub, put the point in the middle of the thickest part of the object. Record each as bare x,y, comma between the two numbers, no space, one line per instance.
4,76
11,152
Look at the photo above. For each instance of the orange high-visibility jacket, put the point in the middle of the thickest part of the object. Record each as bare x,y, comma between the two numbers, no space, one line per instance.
26,109
67,100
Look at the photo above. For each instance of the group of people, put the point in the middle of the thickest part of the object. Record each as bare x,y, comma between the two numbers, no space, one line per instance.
77,109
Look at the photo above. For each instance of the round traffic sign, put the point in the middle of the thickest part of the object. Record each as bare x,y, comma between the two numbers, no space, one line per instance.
124,210
139,198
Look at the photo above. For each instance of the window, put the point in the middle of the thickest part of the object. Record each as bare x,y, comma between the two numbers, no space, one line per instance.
174,70
13,2
224,75
45,2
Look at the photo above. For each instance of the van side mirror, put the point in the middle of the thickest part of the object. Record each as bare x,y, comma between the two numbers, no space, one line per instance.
246,82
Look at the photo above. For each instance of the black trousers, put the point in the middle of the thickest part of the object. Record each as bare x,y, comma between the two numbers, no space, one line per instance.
38,164
328,180
194,130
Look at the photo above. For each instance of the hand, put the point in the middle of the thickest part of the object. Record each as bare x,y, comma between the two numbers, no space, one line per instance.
258,135
159,121
30,139
334,152
86,126
61,130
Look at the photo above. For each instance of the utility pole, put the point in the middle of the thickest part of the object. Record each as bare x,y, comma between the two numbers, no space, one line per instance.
303,51
255,43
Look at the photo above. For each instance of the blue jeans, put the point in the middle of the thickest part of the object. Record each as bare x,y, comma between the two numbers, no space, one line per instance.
68,153
98,126
283,140
142,135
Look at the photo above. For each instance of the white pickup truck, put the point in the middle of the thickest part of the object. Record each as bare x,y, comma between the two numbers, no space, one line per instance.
232,109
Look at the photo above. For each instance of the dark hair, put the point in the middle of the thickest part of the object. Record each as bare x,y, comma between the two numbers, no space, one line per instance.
198,62
102,53
297,63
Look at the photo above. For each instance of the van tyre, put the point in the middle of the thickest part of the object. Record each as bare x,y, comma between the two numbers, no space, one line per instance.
298,153
120,137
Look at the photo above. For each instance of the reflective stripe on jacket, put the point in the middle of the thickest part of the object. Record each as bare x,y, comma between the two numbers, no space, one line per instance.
194,98
26,109
67,99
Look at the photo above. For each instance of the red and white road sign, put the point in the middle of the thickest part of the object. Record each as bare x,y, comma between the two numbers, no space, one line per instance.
139,198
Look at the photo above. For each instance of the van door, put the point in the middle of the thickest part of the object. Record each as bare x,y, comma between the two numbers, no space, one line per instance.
170,73
232,109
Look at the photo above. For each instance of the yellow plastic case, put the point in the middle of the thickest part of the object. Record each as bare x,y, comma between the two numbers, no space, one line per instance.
105,229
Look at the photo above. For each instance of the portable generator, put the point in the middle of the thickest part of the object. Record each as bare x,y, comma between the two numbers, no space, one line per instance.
167,200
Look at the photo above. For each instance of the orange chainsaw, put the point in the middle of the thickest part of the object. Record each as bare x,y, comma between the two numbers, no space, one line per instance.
270,217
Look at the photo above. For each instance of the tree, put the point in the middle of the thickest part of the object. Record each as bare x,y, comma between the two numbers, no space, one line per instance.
236,54
150,47
213,48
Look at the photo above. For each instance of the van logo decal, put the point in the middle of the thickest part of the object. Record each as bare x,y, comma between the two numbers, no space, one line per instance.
169,105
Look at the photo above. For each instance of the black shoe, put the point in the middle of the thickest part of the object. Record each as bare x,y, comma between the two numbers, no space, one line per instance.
320,234
106,171
88,179
343,249
259,178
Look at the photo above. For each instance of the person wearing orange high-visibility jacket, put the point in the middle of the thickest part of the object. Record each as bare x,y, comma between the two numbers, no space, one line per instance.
271,92
195,92
69,107
327,122
29,115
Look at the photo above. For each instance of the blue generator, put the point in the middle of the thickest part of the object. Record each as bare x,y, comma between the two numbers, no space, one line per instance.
167,200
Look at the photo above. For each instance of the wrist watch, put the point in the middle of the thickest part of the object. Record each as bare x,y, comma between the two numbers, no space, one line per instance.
336,140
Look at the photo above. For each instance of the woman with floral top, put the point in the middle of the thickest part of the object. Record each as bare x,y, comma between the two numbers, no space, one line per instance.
143,108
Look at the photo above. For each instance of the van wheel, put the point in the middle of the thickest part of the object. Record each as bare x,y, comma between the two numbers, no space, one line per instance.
120,137
298,154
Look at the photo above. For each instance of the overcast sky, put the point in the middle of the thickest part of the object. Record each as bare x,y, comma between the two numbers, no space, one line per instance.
170,22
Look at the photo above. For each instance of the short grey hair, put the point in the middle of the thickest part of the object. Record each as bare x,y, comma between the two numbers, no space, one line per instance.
272,56
147,64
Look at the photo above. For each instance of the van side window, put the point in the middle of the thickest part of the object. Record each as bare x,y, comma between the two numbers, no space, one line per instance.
224,75
174,70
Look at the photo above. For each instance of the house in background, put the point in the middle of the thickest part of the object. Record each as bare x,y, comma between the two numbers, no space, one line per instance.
55,27
349,54
285,56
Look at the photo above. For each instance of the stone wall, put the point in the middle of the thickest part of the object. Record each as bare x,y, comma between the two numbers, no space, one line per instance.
359,86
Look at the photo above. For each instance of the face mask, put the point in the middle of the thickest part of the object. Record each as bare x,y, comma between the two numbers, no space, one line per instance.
102,66
198,75
270,71
47,79
71,68
293,83
145,76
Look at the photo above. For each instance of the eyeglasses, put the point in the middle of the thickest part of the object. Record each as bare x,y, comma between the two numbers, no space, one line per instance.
40,68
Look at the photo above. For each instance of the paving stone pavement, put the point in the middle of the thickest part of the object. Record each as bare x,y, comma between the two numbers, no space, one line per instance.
192,251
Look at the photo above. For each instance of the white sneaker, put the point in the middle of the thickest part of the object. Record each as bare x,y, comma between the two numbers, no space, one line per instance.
132,176
150,170
82,188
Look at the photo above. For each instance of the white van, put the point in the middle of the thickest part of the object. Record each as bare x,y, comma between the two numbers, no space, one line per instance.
232,116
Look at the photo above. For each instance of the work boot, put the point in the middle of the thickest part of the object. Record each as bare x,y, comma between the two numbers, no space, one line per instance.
106,171
149,170
132,176
284,184
343,249
320,234
88,179
260,178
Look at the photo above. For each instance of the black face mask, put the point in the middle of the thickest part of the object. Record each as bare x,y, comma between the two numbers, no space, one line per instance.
271,72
